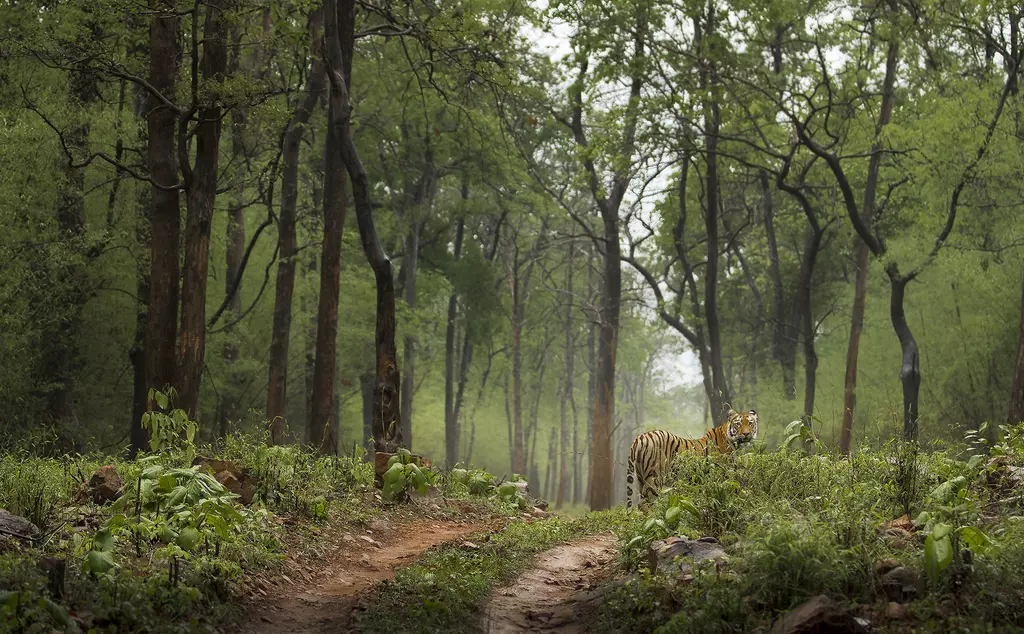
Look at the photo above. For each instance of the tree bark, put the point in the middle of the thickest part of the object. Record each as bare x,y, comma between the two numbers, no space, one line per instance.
339,43
1016,414
784,335
451,428
366,382
567,396
867,216
910,369
162,315
408,271
287,238
201,195
721,398
321,429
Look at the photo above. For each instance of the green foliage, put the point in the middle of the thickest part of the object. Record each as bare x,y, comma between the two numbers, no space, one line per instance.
292,480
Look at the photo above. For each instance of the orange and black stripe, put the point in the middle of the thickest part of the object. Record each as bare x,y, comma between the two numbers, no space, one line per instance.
651,454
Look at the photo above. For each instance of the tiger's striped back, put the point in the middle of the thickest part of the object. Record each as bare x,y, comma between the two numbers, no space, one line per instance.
651,453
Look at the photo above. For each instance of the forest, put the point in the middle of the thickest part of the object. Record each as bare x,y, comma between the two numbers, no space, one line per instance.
272,274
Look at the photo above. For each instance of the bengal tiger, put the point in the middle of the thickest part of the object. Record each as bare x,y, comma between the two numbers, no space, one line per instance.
651,454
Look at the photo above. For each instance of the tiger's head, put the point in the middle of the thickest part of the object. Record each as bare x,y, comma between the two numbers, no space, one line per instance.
742,428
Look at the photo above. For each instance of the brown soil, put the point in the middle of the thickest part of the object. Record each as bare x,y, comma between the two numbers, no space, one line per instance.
553,595
326,600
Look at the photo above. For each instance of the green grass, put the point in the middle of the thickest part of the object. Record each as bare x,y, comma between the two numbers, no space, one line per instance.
444,590
798,525
156,586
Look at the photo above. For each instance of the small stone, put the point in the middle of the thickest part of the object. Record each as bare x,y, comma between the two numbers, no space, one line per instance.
902,585
370,540
818,614
16,525
680,555
470,545
105,485
886,565
896,611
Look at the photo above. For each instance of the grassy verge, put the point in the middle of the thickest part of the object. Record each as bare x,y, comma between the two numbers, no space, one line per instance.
170,555
444,590
798,525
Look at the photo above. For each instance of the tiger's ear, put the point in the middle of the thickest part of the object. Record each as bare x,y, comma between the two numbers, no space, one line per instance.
730,413
753,412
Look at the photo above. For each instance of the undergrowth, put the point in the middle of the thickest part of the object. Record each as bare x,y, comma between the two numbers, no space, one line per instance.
168,555
796,525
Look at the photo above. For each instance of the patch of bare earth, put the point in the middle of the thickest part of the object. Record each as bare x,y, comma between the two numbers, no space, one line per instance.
326,598
552,596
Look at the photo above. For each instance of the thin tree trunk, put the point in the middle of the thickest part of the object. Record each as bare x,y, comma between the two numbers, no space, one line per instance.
287,239
910,369
137,354
339,42
321,430
234,251
720,396
784,339
867,217
366,382
1016,414
162,315
201,195
451,428
592,372
410,266
511,442
567,396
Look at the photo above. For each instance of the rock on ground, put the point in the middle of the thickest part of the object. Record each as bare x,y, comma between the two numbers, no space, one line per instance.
681,555
235,479
105,485
818,614
16,525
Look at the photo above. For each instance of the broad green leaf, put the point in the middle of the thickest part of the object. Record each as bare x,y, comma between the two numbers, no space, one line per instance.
188,538
975,538
938,554
940,530
99,562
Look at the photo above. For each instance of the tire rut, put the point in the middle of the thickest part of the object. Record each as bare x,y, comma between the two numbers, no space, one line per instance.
327,603
549,596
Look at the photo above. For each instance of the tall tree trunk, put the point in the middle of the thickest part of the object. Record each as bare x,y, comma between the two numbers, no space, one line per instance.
720,398
867,217
518,453
910,369
137,353
366,382
235,250
201,194
162,316
607,345
339,42
287,239
451,428
1016,415
591,372
784,337
60,360
409,269
321,429
567,396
